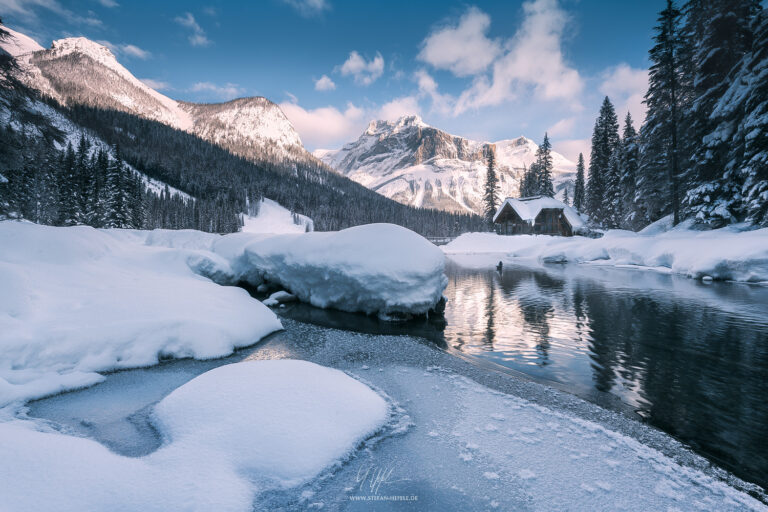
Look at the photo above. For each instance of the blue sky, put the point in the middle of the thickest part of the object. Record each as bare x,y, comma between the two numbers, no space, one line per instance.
486,70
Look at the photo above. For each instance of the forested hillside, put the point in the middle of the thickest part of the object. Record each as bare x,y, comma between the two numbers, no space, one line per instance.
702,152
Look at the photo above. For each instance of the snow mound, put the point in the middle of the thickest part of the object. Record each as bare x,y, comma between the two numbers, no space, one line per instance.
231,433
273,218
376,268
282,420
76,301
724,254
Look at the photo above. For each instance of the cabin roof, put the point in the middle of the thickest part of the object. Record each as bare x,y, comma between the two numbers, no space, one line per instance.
528,208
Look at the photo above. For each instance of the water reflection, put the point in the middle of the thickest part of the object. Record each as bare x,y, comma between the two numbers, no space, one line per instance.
691,358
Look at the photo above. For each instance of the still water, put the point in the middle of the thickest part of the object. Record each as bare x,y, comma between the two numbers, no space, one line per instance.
689,358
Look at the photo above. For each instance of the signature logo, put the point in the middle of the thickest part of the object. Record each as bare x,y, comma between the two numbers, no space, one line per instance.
371,478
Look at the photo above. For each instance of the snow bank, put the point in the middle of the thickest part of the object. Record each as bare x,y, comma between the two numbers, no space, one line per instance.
727,253
231,433
273,218
376,268
76,301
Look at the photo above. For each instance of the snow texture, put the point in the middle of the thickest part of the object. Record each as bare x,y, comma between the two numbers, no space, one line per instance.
18,43
77,301
724,254
230,433
375,268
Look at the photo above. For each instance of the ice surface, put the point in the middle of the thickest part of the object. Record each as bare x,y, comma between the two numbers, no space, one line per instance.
231,433
75,301
726,254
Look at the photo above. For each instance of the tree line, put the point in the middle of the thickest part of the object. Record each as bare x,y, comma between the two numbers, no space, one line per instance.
702,152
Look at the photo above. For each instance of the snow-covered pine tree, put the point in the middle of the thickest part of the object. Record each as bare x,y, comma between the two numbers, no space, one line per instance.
544,164
627,180
612,204
68,193
138,208
566,199
578,188
491,196
118,213
605,140
659,169
83,179
721,34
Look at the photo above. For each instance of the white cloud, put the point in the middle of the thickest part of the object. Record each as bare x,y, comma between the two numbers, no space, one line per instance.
571,148
227,91
533,59
197,37
562,127
364,72
325,127
109,3
464,49
626,87
324,83
398,107
157,85
308,8
129,50
26,9
441,103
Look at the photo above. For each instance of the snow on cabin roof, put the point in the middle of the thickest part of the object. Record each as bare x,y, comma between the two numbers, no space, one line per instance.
528,208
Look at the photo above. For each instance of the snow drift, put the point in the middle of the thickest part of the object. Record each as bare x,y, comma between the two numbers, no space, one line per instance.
725,254
231,433
76,301
375,268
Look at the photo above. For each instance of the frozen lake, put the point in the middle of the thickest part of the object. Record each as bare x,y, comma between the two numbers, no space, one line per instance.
686,357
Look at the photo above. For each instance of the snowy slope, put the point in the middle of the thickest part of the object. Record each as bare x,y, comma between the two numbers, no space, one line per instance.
18,43
273,218
414,163
80,71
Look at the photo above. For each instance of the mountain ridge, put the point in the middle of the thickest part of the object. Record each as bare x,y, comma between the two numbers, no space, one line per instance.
418,164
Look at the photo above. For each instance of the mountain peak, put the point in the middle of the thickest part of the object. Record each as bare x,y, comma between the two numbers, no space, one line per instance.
18,43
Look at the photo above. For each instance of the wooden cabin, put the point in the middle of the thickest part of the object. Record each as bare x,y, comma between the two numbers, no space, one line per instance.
537,215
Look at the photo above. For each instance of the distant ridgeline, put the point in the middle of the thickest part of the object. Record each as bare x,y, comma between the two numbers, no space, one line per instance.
702,151
80,164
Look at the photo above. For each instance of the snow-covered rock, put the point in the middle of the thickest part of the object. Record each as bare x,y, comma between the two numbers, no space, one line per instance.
231,433
77,301
280,297
375,268
414,163
724,254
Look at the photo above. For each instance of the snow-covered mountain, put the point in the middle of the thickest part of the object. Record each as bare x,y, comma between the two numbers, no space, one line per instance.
80,71
417,164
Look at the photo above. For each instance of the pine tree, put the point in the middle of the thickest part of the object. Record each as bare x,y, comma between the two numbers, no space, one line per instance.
491,196
68,193
544,165
578,188
605,140
566,200
628,178
119,185
660,167
722,35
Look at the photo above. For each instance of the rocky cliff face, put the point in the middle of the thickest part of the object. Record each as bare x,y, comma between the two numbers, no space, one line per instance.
414,163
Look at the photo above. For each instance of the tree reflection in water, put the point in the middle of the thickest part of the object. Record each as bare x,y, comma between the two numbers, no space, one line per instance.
691,358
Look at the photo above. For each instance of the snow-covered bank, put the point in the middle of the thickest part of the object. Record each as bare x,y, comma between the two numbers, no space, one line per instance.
725,254
375,268
231,433
76,301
